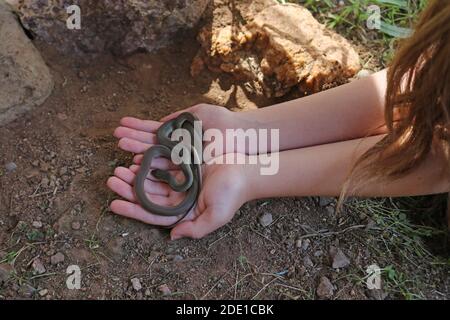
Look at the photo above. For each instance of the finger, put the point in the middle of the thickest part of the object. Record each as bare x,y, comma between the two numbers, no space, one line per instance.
122,188
141,125
152,187
132,145
135,211
126,191
205,223
141,136
157,163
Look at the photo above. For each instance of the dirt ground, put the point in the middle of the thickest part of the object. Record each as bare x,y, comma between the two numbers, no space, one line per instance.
56,201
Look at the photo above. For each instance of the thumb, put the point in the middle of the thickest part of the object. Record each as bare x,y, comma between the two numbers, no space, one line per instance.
205,223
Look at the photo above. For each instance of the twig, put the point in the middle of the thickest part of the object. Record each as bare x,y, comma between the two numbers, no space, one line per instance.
331,233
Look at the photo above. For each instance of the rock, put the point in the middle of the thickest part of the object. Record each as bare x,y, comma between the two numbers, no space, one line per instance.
325,201
57,258
339,259
165,290
299,243
177,258
76,225
305,245
363,74
136,283
38,266
307,262
117,26
24,77
37,224
43,292
325,290
6,271
274,48
266,219
11,166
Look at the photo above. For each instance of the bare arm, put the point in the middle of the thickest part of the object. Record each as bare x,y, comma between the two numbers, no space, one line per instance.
322,170
347,112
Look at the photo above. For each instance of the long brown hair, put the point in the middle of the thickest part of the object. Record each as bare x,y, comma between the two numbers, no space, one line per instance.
417,106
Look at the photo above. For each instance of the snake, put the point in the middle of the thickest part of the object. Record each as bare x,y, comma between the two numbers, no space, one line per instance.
192,170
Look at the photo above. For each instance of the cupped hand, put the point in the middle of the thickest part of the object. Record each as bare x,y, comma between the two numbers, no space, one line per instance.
223,193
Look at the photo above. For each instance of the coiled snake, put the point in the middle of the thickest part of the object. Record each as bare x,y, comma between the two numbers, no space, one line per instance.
191,170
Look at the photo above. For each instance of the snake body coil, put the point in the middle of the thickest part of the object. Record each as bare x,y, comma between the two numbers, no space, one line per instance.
192,170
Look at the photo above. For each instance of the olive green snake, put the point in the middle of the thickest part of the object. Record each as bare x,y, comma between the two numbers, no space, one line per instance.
191,169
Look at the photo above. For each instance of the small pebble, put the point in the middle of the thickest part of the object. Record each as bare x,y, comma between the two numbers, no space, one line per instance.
57,258
306,244
325,201
38,266
177,258
43,292
37,224
325,290
266,219
307,262
340,260
136,283
10,167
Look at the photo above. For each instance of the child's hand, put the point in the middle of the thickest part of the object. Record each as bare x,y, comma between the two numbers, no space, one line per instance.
223,193
138,135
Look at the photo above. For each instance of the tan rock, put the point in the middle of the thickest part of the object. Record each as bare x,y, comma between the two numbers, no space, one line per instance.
274,47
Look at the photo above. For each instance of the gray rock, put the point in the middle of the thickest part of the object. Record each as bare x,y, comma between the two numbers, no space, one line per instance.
305,245
325,201
118,26
136,283
325,290
307,262
38,266
11,166
339,259
37,224
266,219
177,258
57,258
25,80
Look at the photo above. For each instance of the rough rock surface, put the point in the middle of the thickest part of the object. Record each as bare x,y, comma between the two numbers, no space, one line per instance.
25,79
119,26
274,47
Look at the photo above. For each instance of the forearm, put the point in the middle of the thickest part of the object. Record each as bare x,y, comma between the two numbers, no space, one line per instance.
322,171
347,112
